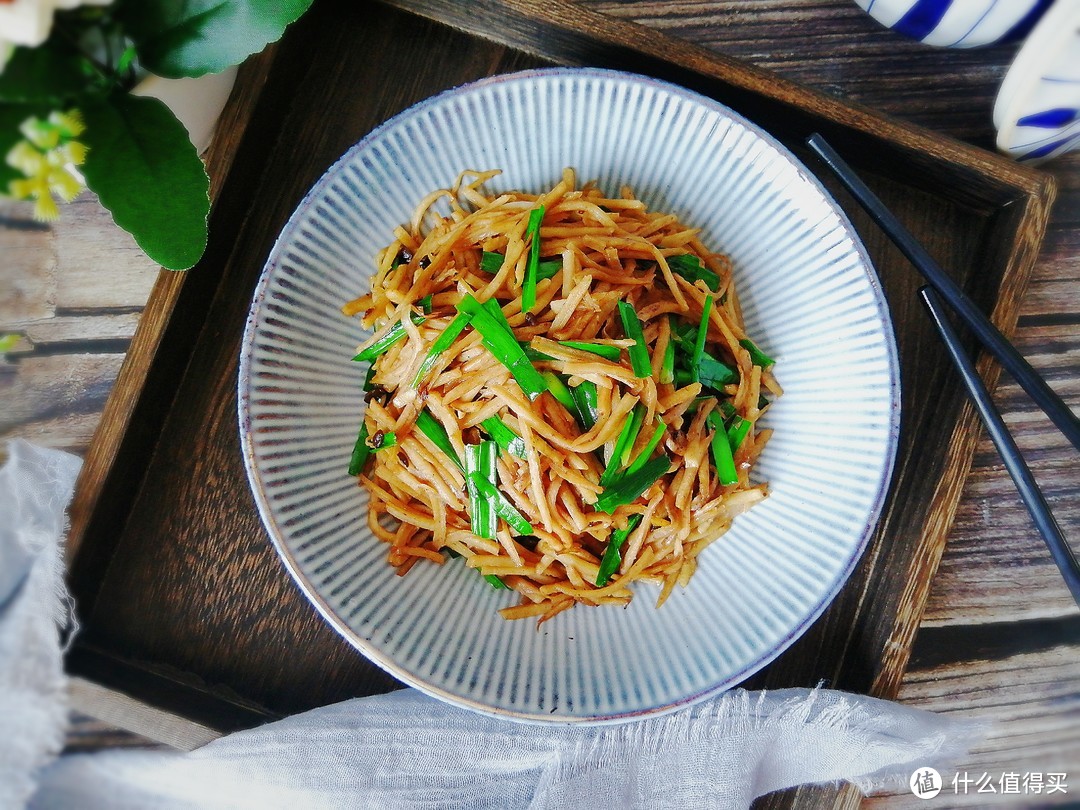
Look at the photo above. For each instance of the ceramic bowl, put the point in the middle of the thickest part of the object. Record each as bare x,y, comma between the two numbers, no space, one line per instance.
957,23
1037,110
807,291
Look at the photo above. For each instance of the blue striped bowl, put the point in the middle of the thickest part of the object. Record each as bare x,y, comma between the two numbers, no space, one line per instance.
957,23
808,293
1037,111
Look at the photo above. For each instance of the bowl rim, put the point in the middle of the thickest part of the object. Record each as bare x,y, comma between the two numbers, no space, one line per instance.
387,662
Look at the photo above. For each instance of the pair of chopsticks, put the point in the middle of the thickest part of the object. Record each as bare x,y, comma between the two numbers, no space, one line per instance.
940,291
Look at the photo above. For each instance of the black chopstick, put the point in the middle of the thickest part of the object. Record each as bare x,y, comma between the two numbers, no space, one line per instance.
1021,475
1043,395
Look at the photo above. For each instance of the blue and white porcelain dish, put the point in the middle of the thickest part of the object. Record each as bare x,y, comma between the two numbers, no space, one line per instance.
957,23
1037,111
807,290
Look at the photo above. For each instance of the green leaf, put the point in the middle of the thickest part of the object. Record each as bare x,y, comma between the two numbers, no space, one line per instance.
44,75
142,166
178,38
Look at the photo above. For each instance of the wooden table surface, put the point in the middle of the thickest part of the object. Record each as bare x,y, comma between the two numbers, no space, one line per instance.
1000,638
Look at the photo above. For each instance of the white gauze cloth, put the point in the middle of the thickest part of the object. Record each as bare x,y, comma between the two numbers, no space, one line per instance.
406,750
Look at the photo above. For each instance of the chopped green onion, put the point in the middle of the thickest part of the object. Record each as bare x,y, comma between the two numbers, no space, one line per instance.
361,452
369,377
504,346
667,365
609,563
737,432
628,488
690,267
757,356
585,398
713,373
548,269
623,444
503,507
496,583
494,309
528,287
425,304
699,341
612,353
433,429
493,262
558,389
480,465
388,439
726,407
441,344
721,451
647,450
534,355
393,335
639,354
504,436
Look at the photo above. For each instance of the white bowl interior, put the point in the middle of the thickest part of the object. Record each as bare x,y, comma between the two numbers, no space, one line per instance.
810,298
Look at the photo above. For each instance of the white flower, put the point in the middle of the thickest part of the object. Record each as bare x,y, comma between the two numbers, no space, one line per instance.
28,22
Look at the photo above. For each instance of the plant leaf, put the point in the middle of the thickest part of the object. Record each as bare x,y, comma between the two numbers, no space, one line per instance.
43,75
144,169
178,38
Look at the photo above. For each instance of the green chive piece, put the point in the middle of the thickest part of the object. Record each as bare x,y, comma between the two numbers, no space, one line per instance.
721,451
647,450
639,354
585,398
395,333
612,353
762,403
690,267
425,304
494,309
361,452
726,408
757,356
368,385
480,465
433,429
667,365
558,389
623,444
504,436
528,287
699,340
715,374
737,432
533,354
491,262
628,488
504,346
389,439
441,344
496,583
612,558
548,269
502,505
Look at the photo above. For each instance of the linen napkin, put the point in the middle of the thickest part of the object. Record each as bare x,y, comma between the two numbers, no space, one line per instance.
407,750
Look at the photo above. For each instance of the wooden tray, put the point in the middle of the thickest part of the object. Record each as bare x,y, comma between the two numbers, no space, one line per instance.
182,600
